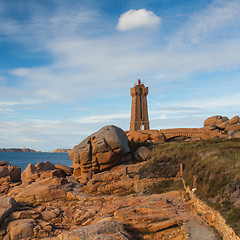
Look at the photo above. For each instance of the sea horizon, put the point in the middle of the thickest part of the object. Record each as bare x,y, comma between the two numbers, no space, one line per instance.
22,159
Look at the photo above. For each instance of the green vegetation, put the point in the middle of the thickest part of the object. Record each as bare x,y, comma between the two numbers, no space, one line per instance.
215,165
165,185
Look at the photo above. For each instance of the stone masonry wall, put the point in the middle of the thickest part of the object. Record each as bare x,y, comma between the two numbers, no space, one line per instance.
211,216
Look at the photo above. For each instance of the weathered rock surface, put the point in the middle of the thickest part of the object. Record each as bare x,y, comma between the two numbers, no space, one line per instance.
154,136
14,172
233,127
68,170
234,120
106,229
223,125
43,170
99,152
7,206
234,134
45,166
30,174
137,136
211,120
10,176
21,229
28,229
41,191
142,154
4,163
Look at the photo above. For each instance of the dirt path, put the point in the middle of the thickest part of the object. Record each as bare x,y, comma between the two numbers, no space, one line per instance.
201,232
195,227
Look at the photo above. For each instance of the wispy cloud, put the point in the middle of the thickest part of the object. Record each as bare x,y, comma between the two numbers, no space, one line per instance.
11,106
219,21
42,135
226,101
102,118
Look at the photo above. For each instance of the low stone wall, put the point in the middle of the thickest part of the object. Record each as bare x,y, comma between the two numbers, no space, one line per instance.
211,216
186,132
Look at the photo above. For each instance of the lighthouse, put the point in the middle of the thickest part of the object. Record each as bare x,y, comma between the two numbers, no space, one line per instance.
139,110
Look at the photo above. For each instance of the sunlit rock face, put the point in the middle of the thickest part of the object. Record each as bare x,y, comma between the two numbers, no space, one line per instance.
99,152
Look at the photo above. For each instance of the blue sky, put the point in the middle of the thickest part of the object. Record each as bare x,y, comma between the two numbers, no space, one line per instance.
66,67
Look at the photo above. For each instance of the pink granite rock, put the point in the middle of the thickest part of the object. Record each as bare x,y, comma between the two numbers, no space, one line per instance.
99,152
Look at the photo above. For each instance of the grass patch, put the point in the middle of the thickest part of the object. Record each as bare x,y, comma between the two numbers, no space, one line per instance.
165,186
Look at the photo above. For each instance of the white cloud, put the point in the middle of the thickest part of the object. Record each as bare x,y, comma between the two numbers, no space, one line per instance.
141,18
213,103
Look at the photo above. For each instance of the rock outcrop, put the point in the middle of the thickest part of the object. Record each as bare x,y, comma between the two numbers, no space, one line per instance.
99,152
223,123
43,170
10,176
28,229
14,172
142,154
41,191
7,206
68,170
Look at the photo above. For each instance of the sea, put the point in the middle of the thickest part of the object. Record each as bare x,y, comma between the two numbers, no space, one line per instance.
22,159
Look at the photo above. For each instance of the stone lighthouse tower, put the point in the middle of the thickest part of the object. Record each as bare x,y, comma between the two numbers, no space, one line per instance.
139,111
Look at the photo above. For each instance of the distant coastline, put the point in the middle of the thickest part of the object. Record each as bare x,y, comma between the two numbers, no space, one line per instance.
61,150
17,150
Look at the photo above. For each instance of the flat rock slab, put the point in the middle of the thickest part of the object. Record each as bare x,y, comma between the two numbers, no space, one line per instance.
201,231
106,229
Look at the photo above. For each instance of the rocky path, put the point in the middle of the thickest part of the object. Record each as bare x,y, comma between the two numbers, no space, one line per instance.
149,217
194,226
199,231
